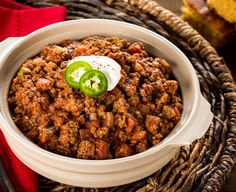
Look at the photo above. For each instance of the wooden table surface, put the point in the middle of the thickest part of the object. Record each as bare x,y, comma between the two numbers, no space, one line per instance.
229,54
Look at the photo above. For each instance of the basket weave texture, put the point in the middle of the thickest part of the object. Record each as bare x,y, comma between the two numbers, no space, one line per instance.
206,163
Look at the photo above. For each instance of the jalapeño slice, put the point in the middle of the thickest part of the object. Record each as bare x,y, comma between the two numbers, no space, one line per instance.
93,83
74,72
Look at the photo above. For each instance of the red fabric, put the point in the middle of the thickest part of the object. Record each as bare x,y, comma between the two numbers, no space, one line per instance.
19,20
13,5
22,177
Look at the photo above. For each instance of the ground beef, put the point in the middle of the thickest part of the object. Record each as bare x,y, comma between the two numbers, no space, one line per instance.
136,115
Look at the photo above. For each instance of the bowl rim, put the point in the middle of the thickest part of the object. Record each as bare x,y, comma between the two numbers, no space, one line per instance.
53,156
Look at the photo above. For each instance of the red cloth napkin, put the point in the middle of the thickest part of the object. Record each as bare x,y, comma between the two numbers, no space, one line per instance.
22,178
19,20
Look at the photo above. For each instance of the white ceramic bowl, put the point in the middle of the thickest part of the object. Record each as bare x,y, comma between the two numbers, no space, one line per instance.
196,115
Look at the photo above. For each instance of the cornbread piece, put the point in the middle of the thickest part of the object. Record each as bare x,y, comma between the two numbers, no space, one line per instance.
216,30
225,9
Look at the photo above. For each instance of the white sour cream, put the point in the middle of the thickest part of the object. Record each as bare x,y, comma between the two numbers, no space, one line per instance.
105,64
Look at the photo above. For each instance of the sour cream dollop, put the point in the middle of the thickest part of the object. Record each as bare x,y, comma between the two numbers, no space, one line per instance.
105,64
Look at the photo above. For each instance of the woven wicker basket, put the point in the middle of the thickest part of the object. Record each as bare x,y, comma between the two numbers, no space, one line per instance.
207,162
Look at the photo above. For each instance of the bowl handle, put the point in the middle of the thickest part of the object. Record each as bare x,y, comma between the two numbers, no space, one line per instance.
198,127
6,45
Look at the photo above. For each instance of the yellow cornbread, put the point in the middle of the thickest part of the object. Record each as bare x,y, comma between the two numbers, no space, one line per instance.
216,30
225,9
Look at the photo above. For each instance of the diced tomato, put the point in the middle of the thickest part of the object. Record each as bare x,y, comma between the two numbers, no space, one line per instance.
177,113
112,55
131,124
123,150
81,50
140,135
135,48
102,150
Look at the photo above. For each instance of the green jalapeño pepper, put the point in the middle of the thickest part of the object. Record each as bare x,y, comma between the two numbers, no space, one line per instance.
93,83
74,72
